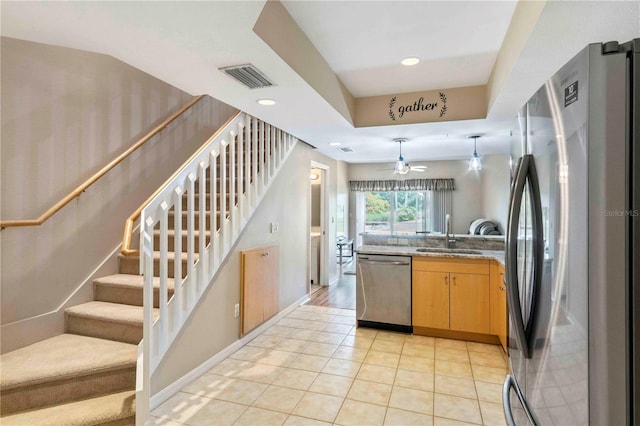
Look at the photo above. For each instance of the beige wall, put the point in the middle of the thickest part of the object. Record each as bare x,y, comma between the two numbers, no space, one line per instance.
495,188
212,326
65,114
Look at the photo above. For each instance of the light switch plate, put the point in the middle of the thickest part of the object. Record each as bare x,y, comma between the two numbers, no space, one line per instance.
236,310
392,241
403,241
274,227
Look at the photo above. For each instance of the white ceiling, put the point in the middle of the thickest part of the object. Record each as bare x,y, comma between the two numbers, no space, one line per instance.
184,43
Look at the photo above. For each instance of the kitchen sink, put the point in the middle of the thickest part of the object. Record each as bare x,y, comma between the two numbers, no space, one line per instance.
446,250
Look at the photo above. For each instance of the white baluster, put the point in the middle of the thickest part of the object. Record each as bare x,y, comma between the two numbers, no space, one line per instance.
178,306
223,197
163,322
213,228
254,163
232,183
146,250
202,226
190,282
237,201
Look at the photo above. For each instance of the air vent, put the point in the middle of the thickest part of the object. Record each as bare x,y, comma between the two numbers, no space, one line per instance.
248,75
346,149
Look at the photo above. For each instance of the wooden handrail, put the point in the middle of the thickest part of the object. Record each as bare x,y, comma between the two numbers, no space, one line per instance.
80,189
129,224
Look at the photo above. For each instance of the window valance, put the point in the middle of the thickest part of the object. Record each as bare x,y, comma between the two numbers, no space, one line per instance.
403,185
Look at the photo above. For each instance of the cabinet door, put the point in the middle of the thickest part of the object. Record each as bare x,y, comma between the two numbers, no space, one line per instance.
498,304
469,303
272,280
252,289
430,299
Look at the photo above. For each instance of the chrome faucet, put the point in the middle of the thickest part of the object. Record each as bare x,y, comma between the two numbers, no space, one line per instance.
447,239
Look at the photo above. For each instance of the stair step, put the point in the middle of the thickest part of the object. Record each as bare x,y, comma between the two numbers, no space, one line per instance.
208,200
131,264
65,368
171,240
112,321
196,219
112,409
126,289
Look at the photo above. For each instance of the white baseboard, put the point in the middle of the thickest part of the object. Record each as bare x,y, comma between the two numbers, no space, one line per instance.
192,375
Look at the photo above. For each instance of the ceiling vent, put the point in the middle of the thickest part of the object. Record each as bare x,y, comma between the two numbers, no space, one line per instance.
248,75
346,149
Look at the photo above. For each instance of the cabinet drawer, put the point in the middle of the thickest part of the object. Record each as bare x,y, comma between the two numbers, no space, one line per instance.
445,264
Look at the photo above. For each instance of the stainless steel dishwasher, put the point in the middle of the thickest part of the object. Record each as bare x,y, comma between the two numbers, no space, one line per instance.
383,292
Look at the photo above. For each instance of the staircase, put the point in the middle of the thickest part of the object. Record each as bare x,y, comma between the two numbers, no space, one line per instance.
89,375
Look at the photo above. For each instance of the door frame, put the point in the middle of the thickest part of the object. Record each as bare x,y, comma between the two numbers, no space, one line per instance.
324,225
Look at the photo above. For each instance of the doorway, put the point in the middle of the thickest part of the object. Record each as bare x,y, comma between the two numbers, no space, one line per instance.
316,207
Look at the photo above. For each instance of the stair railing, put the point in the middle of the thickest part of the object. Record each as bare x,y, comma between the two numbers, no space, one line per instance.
93,179
212,196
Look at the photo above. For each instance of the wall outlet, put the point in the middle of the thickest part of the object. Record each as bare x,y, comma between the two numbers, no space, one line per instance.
274,227
403,241
392,241
236,310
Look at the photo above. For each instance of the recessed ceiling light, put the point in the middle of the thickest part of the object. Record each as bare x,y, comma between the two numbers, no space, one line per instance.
334,143
266,102
412,60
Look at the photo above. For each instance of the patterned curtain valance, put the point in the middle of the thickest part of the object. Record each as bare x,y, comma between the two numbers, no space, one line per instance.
403,185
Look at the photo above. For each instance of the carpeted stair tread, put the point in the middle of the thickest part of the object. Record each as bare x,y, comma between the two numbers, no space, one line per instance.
129,281
172,232
115,408
113,312
131,264
63,357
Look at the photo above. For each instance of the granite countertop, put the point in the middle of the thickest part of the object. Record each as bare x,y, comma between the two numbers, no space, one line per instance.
412,251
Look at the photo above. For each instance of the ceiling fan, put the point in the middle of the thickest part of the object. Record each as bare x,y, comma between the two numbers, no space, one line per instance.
402,167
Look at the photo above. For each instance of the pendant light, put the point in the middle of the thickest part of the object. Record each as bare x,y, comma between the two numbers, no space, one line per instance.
401,166
475,164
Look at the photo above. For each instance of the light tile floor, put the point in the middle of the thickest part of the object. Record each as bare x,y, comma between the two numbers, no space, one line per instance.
314,367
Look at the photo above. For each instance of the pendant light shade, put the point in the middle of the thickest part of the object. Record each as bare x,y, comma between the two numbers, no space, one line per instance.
401,166
475,164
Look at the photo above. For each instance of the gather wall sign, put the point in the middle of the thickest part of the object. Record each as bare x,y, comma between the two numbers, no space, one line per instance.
419,105
462,103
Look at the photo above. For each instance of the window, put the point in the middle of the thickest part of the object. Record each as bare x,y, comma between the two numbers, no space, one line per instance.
392,212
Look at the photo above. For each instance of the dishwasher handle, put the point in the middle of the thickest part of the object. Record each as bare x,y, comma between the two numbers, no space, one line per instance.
382,262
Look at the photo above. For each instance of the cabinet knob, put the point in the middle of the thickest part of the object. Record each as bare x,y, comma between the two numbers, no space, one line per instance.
446,280
265,254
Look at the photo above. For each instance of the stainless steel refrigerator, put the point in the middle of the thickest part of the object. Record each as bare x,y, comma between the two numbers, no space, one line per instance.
573,246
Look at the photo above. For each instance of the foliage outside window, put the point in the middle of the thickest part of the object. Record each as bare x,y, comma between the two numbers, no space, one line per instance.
391,212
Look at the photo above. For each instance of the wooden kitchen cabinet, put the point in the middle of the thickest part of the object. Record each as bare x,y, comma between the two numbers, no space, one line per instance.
498,303
430,299
450,294
469,303
260,290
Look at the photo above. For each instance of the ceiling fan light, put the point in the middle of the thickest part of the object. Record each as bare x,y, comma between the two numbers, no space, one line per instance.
399,167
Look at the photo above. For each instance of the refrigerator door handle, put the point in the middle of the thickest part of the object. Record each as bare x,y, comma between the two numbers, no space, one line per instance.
538,252
510,382
513,299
